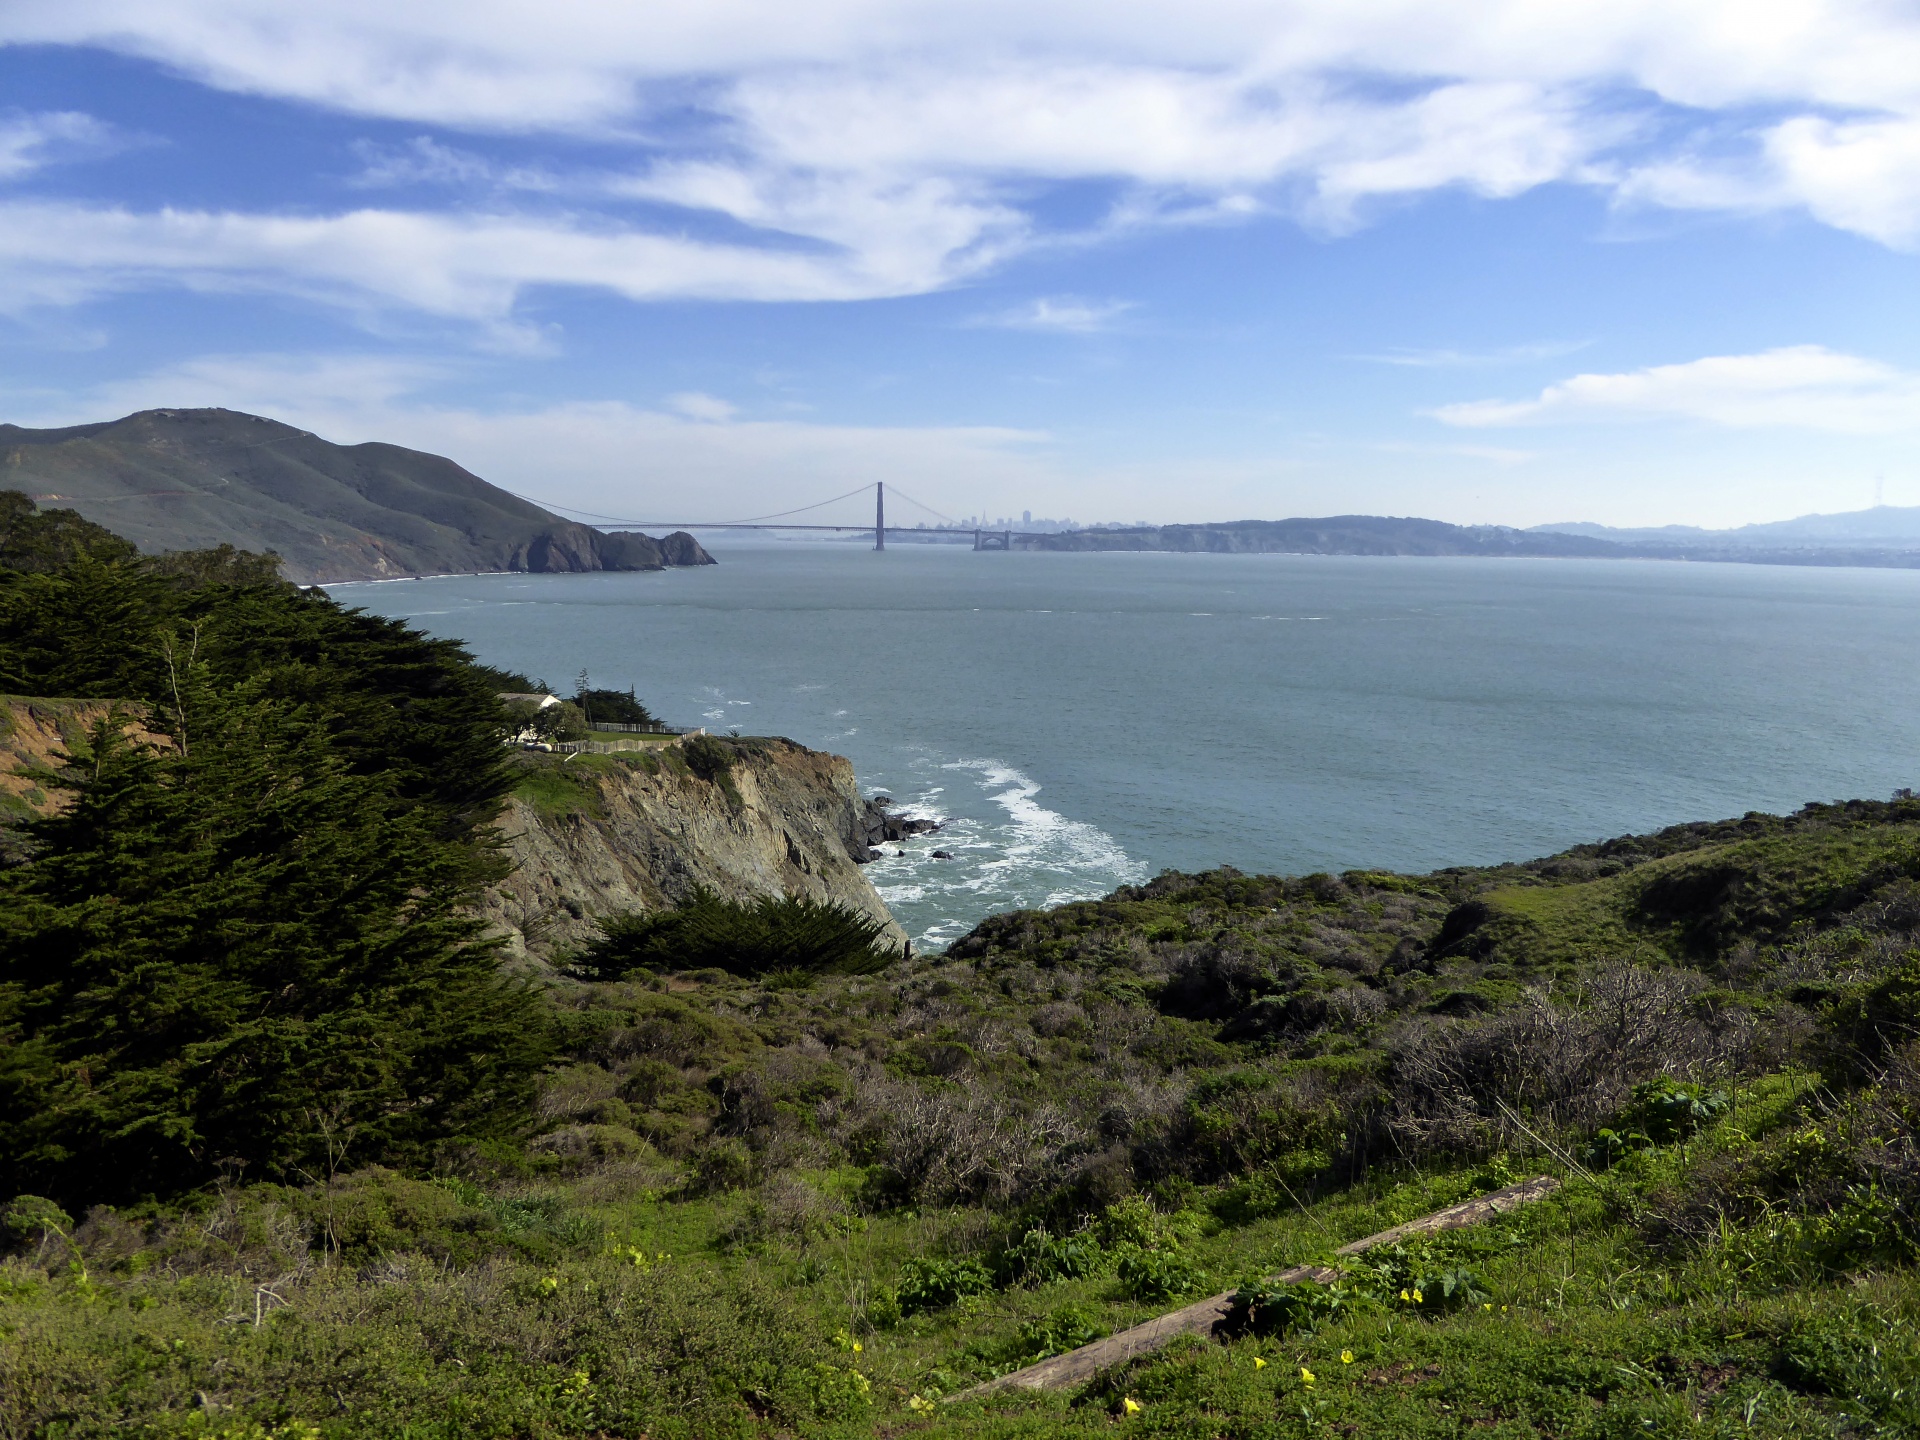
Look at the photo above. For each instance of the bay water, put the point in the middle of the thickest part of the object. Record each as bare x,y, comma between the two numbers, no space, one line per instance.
1084,721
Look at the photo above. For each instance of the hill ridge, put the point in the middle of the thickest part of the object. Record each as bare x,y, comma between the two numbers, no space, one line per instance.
183,479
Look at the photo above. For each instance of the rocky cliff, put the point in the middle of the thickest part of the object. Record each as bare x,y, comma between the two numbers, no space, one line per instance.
590,835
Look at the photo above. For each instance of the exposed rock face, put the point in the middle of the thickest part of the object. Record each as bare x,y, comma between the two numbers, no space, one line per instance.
601,834
879,825
679,548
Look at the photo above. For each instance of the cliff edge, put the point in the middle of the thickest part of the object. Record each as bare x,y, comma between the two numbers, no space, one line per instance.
593,835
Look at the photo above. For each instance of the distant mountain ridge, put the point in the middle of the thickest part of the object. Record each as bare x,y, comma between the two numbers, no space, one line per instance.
193,479
1895,527
1810,540
1330,535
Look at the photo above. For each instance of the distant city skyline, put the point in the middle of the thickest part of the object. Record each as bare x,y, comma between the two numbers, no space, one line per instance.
1534,261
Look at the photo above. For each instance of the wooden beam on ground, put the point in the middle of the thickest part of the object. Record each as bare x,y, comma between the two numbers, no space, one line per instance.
1207,1317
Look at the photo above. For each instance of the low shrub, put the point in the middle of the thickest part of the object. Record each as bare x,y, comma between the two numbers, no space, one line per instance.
1064,1329
759,937
1157,1276
1040,1257
927,1284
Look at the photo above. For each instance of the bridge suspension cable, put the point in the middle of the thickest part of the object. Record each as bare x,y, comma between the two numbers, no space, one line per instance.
924,506
779,519
749,520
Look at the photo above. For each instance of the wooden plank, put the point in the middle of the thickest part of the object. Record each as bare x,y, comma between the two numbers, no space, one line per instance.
1206,1317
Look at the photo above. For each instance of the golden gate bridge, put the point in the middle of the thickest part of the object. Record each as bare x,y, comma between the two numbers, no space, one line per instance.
985,537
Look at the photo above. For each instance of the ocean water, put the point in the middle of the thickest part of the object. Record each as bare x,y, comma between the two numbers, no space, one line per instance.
1082,721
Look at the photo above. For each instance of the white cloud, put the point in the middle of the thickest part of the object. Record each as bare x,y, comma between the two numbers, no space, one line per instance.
1799,386
882,147
30,142
425,161
1476,359
1058,314
696,405
452,266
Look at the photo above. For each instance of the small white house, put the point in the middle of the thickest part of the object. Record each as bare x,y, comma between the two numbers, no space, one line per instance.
528,736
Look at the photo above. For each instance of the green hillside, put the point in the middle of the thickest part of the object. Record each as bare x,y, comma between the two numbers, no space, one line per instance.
194,479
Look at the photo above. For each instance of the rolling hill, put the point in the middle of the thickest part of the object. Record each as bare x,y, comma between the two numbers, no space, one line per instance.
192,479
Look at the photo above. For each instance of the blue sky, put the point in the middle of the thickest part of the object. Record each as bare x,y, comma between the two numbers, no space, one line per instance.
1631,262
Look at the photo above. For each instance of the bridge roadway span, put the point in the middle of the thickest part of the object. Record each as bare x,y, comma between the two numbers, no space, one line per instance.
983,539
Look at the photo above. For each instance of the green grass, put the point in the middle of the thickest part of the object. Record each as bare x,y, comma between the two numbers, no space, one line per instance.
1587,1331
730,1183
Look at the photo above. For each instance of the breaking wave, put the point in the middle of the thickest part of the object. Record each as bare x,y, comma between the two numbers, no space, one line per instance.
1009,852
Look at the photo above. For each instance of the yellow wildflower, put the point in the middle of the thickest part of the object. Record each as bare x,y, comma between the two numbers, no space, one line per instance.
550,1284
1258,1363
1346,1357
1306,1376
1405,1296
1130,1405
1418,1298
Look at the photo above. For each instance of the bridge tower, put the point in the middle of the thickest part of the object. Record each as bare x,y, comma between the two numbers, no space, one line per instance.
880,515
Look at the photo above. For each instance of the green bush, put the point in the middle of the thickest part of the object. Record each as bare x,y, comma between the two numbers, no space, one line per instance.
760,937
1040,1257
1157,1276
1269,1309
1666,1111
1067,1328
375,1212
710,758
927,1284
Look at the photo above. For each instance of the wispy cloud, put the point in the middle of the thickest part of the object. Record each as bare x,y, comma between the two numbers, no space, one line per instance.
425,161
1476,359
1799,386
697,405
1058,314
458,267
33,141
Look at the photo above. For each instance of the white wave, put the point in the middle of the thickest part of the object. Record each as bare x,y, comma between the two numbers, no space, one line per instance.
1007,851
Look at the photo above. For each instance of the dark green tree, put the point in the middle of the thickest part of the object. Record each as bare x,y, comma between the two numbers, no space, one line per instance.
248,944
764,936
392,702
40,540
236,950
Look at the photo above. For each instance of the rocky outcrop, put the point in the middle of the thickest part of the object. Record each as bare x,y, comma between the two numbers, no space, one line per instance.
879,825
594,835
680,548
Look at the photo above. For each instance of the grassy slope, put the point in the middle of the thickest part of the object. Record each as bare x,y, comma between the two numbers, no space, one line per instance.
732,1182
